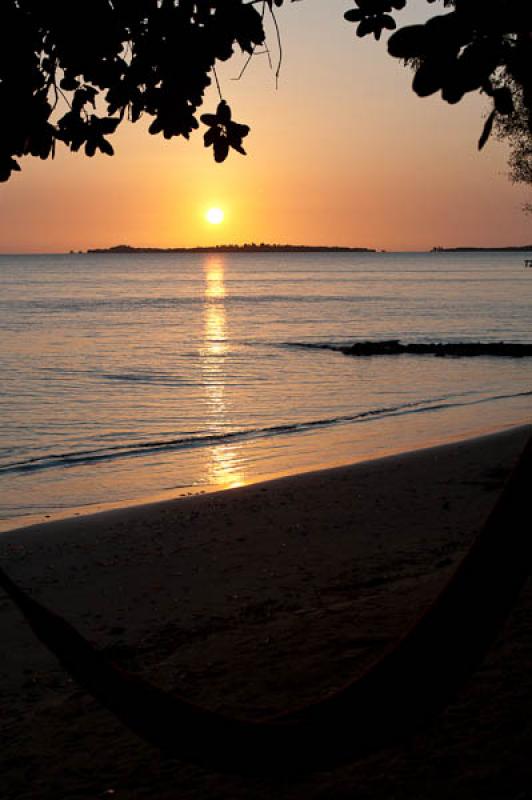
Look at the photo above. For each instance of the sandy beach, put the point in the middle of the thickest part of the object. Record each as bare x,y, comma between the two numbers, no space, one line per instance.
258,599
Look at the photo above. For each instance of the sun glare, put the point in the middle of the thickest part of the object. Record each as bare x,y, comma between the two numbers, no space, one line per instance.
214,216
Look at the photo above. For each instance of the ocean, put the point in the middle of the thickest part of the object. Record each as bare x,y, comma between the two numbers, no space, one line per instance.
129,378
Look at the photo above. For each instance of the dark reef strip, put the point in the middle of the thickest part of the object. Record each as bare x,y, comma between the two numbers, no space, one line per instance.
393,347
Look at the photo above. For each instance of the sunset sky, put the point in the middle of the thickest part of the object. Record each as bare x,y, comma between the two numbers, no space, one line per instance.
342,153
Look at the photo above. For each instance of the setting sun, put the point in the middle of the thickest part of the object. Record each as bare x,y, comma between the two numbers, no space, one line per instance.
215,216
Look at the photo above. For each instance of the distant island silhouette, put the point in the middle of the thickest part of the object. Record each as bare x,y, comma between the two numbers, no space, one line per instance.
522,249
263,247
233,248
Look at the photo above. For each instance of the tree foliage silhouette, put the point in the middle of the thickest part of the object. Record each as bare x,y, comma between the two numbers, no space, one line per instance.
72,72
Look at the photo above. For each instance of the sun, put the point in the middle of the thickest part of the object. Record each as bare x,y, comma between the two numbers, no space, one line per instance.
214,216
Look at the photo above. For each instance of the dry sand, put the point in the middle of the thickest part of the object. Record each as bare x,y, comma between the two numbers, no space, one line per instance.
257,599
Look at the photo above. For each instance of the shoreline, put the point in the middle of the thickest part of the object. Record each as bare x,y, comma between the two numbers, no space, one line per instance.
262,598
75,512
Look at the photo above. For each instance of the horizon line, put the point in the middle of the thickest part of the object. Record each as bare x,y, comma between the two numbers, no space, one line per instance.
274,245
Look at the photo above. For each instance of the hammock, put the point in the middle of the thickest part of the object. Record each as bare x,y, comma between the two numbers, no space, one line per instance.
400,693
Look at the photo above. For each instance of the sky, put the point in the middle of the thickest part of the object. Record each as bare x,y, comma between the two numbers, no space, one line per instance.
341,153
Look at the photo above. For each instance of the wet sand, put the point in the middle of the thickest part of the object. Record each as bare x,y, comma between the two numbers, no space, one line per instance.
258,599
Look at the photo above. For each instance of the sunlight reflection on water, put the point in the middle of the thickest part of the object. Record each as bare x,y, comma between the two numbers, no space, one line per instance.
224,468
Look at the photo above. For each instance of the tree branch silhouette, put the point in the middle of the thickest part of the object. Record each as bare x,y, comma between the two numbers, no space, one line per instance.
110,60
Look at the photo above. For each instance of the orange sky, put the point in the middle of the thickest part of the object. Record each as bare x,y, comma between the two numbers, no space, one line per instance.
342,153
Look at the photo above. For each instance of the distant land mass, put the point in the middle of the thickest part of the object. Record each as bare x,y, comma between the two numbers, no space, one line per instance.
234,248
523,248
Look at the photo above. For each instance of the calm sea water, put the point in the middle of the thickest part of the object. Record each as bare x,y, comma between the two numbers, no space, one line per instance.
129,377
